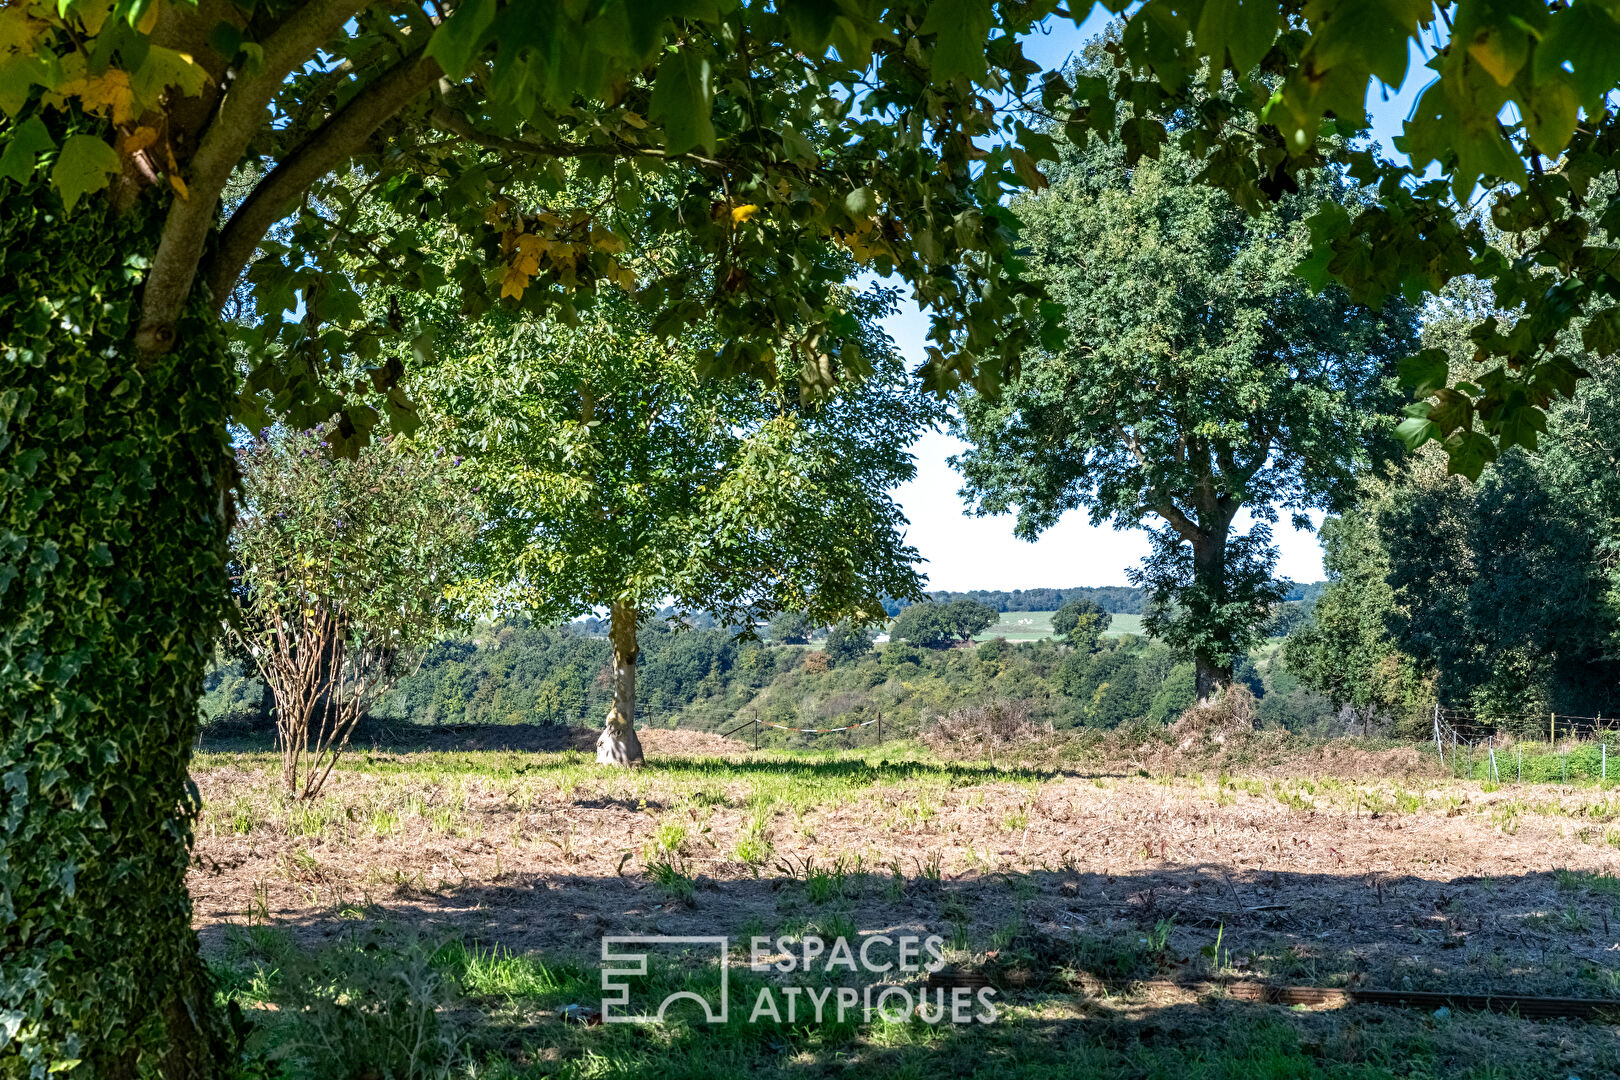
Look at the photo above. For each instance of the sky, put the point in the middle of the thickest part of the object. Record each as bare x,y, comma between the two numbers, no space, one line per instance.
962,552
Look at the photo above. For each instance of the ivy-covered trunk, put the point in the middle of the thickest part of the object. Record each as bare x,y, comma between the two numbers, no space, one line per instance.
618,745
113,474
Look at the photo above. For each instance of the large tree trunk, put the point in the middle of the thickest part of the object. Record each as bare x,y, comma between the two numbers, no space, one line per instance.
113,475
618,744
1209,573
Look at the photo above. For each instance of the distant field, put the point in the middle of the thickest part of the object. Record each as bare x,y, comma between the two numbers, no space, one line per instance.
1034,625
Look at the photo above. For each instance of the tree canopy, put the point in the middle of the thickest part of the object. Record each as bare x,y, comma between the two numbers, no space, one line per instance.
1515,118
1199,377
757,133
615,475
939,626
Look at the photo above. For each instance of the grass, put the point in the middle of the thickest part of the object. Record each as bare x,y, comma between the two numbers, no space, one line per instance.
376,1002
386,1004
1035,625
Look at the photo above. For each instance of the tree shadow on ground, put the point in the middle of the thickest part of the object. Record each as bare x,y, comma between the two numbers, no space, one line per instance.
1066,1005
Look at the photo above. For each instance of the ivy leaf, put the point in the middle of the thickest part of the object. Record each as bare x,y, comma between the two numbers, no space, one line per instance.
962,27
86,164
682,100
30,139
456,42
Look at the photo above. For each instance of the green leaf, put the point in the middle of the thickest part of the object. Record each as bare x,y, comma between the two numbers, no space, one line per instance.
1451,411
1425,372
30,139
1469,453
456,42
1549,114
810,22
1587,38
861,203
1414,431
86,164
963,27
1243,28
682,100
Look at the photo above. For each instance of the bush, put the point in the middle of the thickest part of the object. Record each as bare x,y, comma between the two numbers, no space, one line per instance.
993,725
939,626
816,662
790,628
846,644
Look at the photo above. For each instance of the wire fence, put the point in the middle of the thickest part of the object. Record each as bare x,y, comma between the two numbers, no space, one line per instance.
1486,748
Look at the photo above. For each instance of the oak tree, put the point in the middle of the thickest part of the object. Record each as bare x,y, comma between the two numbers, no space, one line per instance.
1200,377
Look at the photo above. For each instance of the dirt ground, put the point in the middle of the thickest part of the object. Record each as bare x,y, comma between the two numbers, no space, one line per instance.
1387,879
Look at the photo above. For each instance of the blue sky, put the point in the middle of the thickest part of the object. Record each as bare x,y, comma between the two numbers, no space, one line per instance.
963,552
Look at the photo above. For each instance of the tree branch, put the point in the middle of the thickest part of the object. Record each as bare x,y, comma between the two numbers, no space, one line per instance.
453,123
240,117
329,146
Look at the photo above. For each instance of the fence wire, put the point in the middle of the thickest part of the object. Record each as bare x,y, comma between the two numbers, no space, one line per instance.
1577,747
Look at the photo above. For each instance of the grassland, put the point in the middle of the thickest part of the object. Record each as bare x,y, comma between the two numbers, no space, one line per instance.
1035,625
433,912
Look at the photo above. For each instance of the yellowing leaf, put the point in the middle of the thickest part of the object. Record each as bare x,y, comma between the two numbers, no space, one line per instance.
106,94
745,212
137,140
149,17
19,31
513,282
634,119
604,240
179,186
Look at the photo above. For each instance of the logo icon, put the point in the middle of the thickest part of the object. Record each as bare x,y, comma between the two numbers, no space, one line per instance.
625,958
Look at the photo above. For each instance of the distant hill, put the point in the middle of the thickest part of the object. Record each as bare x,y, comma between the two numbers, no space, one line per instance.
1117,599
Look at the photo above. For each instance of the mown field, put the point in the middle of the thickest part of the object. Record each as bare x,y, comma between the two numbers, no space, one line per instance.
1035,625
432,912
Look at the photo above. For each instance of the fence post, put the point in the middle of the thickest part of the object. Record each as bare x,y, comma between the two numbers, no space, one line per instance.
756,729
1521,763
1439,747
1552,728
880,727
1604,776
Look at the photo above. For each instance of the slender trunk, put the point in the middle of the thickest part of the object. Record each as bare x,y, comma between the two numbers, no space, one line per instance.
1209,575
113,473
618,744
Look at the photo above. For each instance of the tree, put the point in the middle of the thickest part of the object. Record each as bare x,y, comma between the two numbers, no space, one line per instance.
614,476
847,643
1345,650
1081,622
344,573
790,628
149,152
1303,78
1199,378
939,626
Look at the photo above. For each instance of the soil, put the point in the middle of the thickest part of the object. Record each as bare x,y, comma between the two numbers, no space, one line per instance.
1469,891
